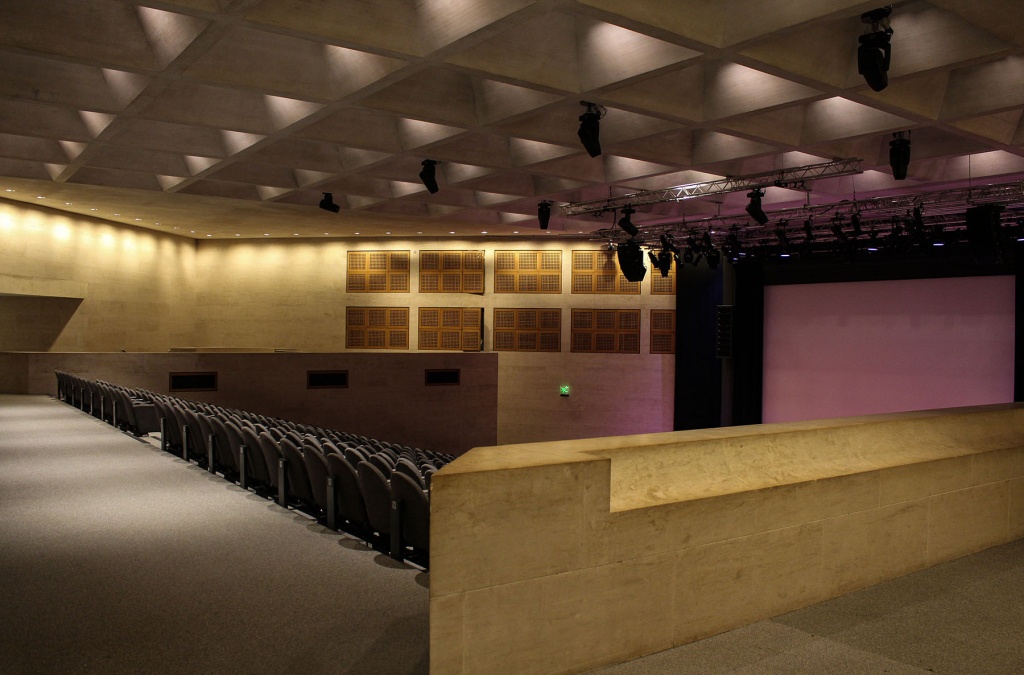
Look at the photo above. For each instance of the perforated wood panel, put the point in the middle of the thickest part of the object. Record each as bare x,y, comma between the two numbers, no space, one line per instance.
377,327
598,272
527,271
606,330
663,331
528,330
451,271
378,272
457,328
664,285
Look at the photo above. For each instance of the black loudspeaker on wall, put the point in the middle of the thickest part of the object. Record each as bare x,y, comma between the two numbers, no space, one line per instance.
631,261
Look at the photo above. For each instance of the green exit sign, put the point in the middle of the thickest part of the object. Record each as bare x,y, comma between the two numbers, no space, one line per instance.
563,390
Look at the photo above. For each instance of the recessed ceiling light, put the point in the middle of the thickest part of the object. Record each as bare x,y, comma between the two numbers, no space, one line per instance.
484,232
515,232
138,219
236,234
295,234
68,203
192,231
419,233
40,197
209,235
326,234
265,234
10,190
451,233
94,209
355,233
116,214
387,233
159,223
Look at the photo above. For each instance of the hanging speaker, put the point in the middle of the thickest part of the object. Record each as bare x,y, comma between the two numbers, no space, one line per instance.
631,261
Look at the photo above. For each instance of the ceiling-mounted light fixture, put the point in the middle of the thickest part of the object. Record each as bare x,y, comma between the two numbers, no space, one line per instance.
874,51
631,261
428,175
544,214
626,224
899,155
590,128
754,207
327,203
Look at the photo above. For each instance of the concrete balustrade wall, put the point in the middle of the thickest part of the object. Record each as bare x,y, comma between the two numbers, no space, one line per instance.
565,556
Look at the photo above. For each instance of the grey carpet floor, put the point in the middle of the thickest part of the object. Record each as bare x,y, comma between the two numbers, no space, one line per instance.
118,558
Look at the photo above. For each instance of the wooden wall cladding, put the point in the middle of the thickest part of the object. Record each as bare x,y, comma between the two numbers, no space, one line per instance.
527,330
527,271
451,272
376,327
664,285
606,331
663,331
598,272
378,272
451,328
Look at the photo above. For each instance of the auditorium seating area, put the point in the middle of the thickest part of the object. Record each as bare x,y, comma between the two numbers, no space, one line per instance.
372,489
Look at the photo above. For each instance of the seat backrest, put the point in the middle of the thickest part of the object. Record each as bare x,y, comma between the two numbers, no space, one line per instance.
271,453
376,495
316,470
414,509
298,479
406,467
381,463
256,462
350,496
355,455
225,448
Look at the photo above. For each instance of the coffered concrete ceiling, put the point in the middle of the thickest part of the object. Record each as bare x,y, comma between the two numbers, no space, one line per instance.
231,117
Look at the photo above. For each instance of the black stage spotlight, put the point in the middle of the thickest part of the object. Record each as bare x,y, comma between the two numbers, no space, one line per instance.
590,128
327,203
874,52
754,209
544,214
668,243
899,155
665,260
428,175
732,247
626,224
631,261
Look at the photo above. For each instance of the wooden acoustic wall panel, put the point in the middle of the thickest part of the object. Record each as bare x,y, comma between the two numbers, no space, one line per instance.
527,330
377,328
606,331
452,328
451,271
664,285
378,272
663,331
527,271
598,272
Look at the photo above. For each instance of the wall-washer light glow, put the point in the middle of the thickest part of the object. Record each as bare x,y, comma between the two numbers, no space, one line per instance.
62,232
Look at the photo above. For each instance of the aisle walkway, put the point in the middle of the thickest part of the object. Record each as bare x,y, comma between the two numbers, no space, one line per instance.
118,558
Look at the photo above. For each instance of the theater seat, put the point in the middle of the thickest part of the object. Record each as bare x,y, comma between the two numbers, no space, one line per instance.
414,510
377,496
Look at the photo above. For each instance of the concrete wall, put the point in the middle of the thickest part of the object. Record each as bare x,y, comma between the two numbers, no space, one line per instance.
91,286
563,557
80,284
386,397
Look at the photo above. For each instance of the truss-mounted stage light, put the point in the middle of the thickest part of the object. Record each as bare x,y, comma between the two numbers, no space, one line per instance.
754,209
899,155
874,52
428,175
590,128
626,224
327,203
544,214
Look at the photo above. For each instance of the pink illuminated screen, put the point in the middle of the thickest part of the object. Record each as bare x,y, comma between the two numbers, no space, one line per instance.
836,350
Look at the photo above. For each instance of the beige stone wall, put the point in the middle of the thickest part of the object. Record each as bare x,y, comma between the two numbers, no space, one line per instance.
292,295
80,284
563,557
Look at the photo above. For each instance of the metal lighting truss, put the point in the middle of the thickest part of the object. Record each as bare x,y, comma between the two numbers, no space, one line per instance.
787,178
942,211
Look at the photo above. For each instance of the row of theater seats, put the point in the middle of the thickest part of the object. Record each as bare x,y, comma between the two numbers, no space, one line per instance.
375,490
